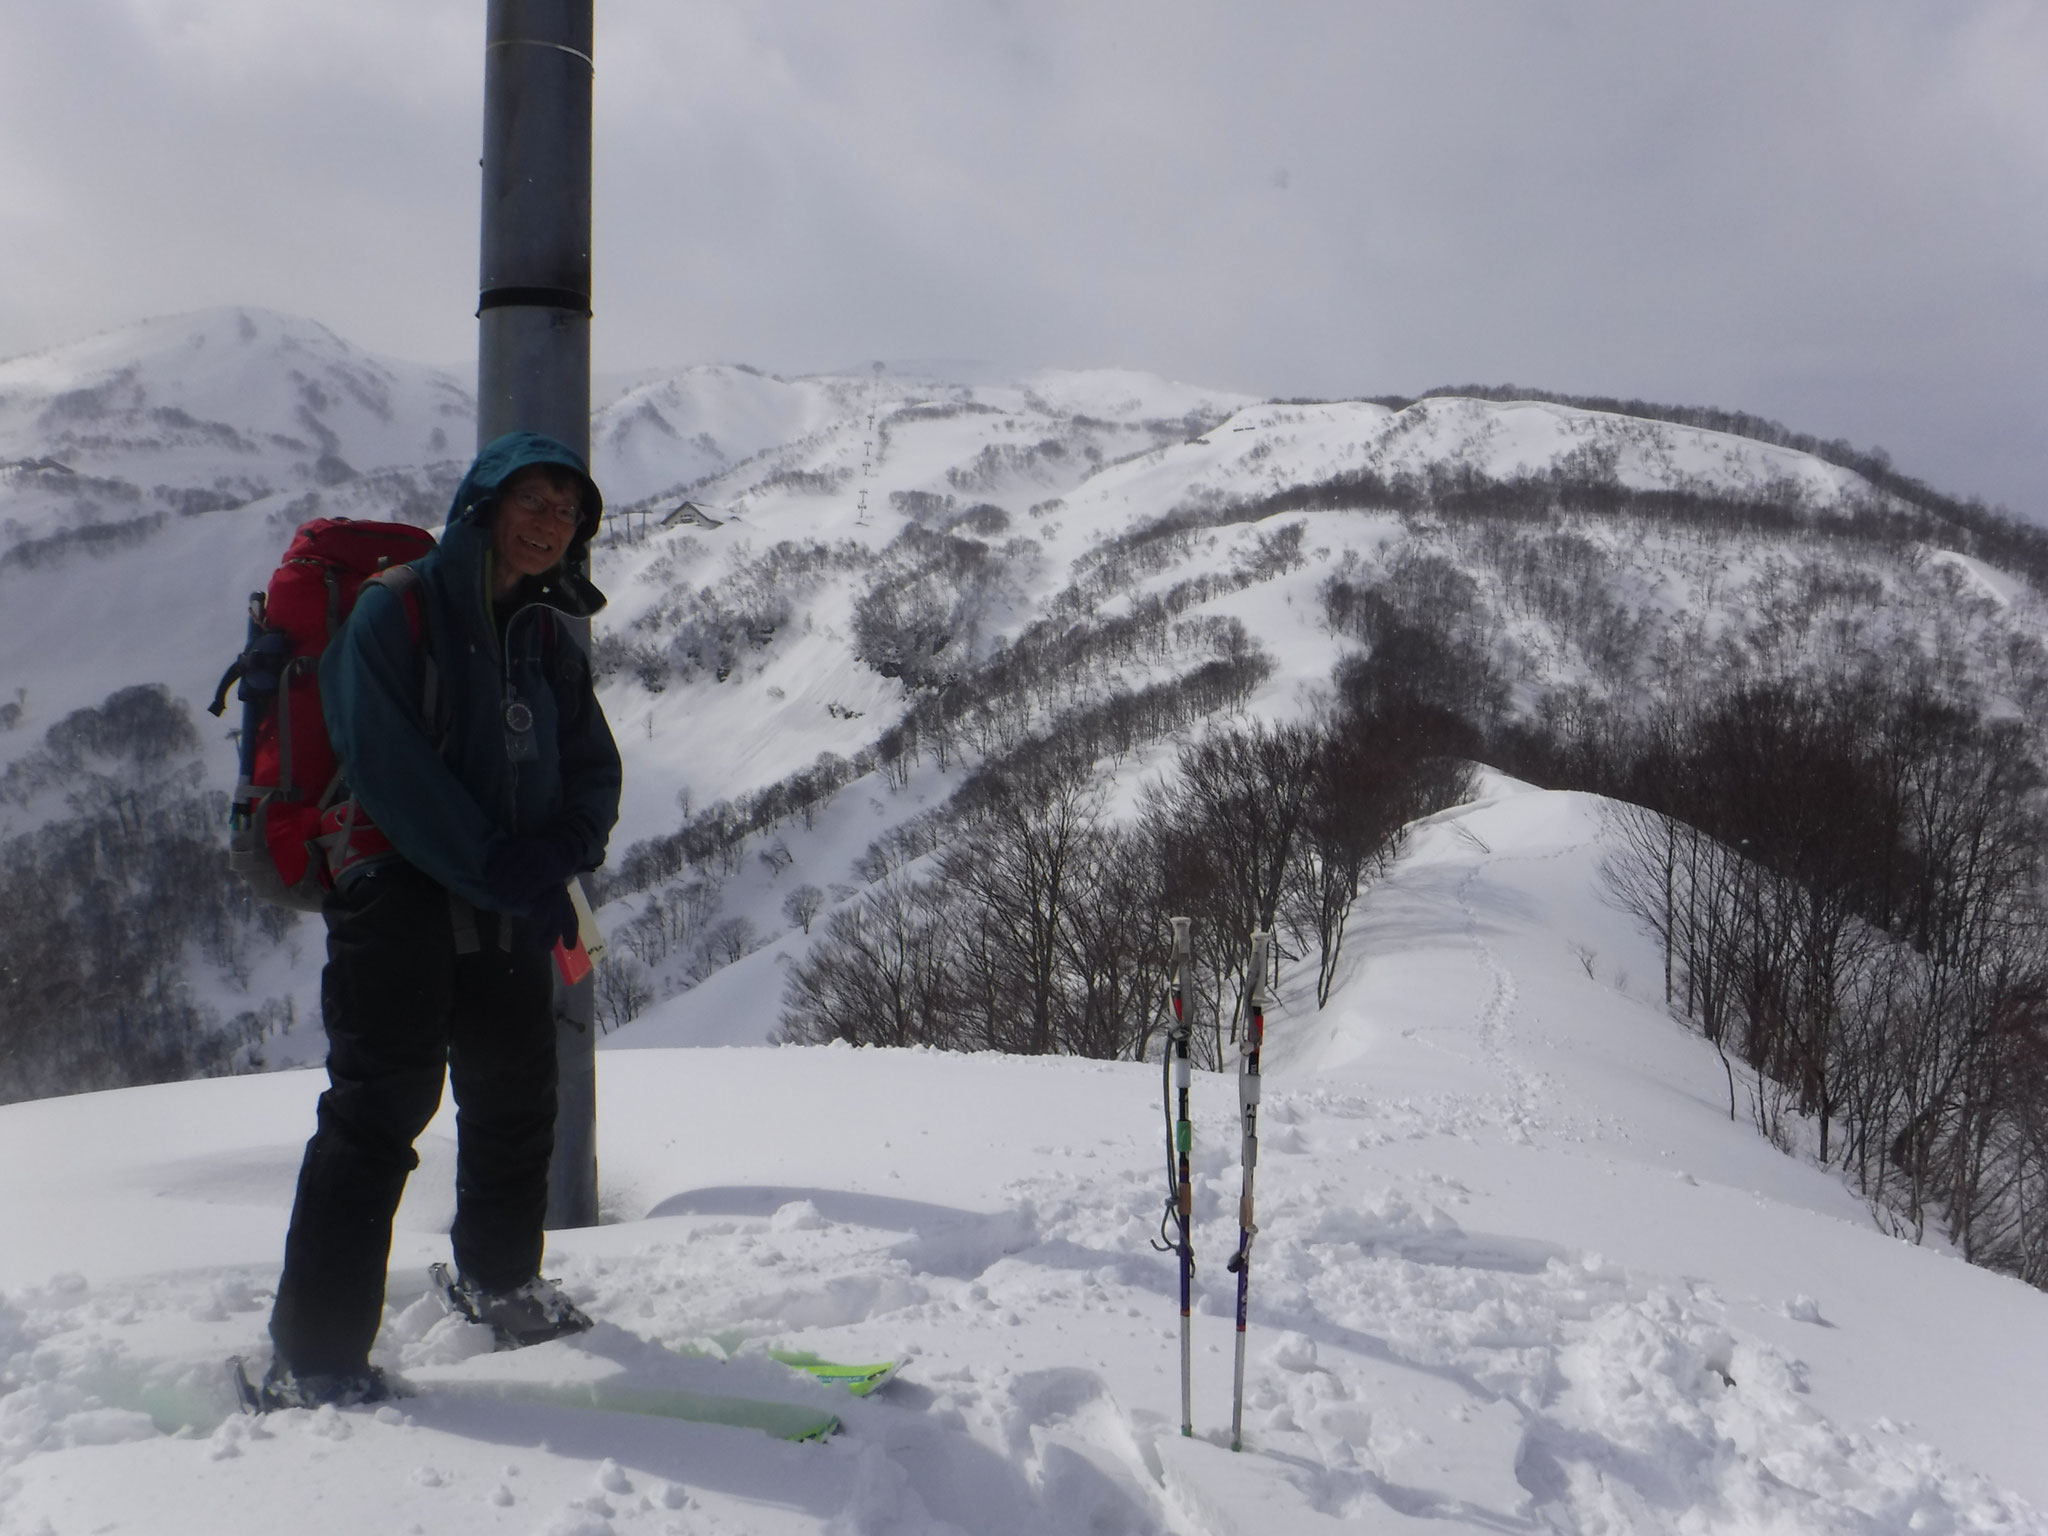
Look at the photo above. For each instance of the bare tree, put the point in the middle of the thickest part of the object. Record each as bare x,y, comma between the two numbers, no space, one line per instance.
803,904
878,976
624,989
1228,824
1025,844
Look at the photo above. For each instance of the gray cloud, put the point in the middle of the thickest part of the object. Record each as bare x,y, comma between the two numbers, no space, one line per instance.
1832,212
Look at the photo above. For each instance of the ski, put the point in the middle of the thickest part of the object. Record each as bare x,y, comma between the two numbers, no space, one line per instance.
859,1380
1248,1083
612,1394
785,1421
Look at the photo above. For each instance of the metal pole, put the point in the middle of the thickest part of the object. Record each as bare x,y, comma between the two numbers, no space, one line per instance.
533,374
533,301
1248,1083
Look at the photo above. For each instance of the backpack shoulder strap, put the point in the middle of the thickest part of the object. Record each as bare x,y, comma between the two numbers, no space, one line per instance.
403,582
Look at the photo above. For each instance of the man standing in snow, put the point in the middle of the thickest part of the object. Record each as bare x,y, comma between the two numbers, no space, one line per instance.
472,738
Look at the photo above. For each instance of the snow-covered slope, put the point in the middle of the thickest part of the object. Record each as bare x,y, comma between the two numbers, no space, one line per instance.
1516,1270
239,403
677,431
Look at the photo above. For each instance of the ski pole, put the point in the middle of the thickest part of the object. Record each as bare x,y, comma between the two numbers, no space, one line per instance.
1183,1191
1180,1137
1249,1044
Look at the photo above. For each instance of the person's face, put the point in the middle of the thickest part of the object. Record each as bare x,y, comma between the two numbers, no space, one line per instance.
535,522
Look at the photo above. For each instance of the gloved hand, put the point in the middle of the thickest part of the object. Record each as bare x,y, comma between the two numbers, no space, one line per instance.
526,871
555,916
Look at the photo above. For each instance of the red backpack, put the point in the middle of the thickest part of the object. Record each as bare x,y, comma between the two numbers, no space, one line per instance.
290,830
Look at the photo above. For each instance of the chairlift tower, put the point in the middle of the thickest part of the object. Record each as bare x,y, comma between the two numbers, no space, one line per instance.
867,451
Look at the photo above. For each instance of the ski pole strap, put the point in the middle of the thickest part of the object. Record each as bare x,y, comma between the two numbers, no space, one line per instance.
228,679
239,667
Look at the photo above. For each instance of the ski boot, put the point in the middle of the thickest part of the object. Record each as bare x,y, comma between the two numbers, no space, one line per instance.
283,1387
527,1314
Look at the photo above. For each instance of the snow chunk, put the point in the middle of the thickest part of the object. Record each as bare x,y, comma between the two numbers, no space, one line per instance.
796,1216
1803,1309
1293,1352
449,1341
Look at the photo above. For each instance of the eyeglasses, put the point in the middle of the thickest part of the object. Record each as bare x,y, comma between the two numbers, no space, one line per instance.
536,502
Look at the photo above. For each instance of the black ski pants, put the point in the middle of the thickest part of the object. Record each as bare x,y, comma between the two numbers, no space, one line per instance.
401,1006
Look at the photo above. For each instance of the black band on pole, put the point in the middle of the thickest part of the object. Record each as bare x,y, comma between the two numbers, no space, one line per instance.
533,298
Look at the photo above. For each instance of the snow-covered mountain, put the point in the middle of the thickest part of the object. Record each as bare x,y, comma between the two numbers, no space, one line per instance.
859,539
200,412
148,473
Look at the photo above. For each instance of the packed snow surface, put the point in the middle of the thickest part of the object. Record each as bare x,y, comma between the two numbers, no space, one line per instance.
1516,1270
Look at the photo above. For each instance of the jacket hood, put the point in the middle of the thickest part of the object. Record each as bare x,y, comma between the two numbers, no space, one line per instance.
476,499
504,457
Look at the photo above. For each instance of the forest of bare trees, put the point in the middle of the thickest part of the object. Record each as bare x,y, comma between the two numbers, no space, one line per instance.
1845,879
108,899
1040,925
1837,844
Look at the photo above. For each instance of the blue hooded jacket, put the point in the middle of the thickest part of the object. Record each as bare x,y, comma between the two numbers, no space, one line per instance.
450,792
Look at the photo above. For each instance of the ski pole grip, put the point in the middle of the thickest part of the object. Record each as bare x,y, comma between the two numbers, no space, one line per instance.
1177,977
1262,948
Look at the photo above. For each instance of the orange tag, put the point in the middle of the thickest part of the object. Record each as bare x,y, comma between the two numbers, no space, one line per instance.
574,964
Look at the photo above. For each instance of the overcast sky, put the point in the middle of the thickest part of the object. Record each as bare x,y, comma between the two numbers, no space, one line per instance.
1834,212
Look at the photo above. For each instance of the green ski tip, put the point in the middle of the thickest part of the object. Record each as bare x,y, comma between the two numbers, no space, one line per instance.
860,1380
